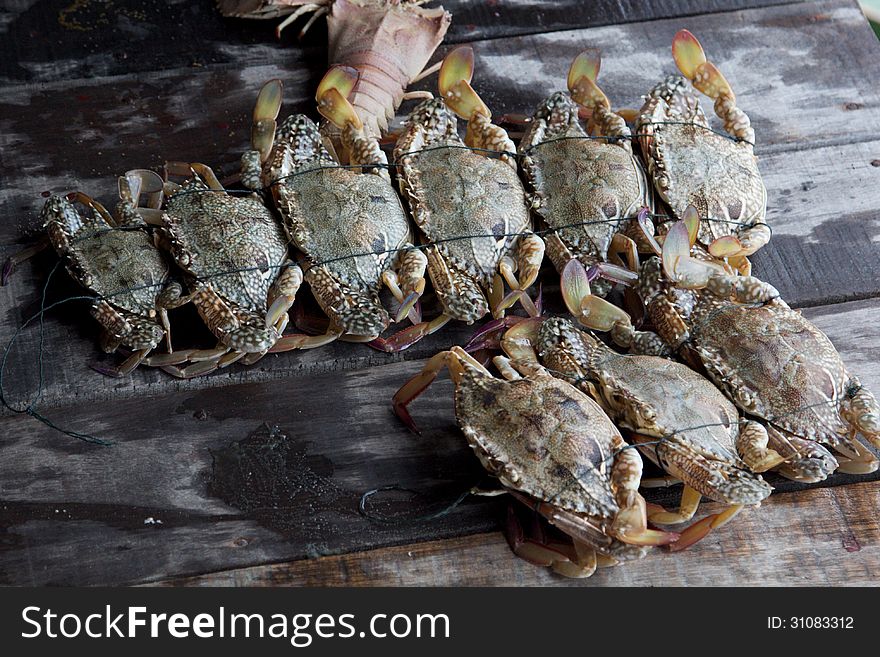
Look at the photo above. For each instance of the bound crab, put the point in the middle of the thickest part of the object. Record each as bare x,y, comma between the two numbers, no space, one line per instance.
349,224
552,448
684,423
235,254
768,359
691,165
117,259
587,189
471,207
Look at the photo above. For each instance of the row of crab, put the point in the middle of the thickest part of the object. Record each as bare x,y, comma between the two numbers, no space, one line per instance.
723,381
351,236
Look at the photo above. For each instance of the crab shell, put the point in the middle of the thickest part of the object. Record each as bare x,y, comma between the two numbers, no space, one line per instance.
577,180
545,438
768,359
691,165
663,399
235,250
350,225
123,267
470,207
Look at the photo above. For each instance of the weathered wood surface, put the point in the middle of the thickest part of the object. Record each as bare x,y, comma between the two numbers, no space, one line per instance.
46,40
230,493
838,543
200,457
812,109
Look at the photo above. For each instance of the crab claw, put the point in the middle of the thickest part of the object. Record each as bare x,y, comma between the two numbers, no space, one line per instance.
453,82
691,218
339,77
631,526
266,110
575,285
582,80
601,315
334,107
519,341
408,308
676,249
692,62
646,226
726,247
488,337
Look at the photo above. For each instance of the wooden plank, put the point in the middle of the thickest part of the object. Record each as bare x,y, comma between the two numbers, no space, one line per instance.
817,202
54,39
824,537
230,493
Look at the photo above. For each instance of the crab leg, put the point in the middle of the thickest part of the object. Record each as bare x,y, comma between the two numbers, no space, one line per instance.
124,368
578,560
700,529
751,444
705,76
189,168
454,360
582,84
690,502
862,412
596,313
409,336
266,111
407,283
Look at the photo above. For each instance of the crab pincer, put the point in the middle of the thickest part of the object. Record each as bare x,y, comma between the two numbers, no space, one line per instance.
553,449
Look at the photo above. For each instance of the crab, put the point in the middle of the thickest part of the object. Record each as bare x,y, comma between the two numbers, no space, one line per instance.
349,224
587,189
692,165
768,359
681,421
235,254
117,259
471,208
552,448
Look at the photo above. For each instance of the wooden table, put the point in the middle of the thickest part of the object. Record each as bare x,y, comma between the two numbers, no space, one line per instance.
254,475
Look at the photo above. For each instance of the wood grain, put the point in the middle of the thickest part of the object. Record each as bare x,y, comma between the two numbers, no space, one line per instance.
47,40
824,537
811,107
231,492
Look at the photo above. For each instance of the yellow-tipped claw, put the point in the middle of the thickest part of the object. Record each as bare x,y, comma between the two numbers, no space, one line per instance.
334,107
582,81
676,249
691,61
456,67
600,315
688,53
518,341
725,247
454,79
691,219
339,77
586,64
266,110
575,286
